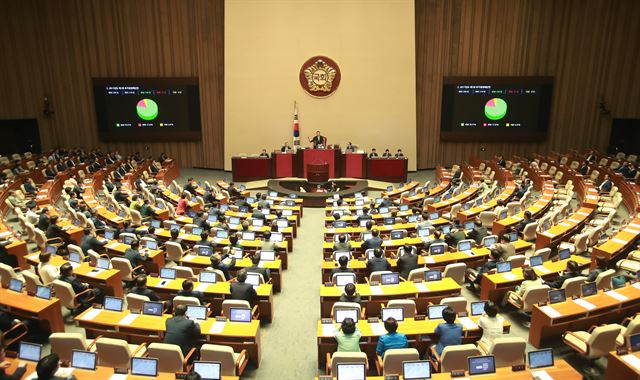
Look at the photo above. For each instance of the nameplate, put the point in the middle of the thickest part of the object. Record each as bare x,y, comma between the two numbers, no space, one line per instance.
541,375
113,245
585,304
631,231
91,314
217,327
377,328
542,269
576,221
376,290
620,241
565,224
550,311
128,319
616,295
468,323
632,360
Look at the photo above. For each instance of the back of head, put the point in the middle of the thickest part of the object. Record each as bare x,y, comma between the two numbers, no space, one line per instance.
44,256
47,366
505,238
175,233
343,261
437,234
204,235
348,326
477,223
193,376
375,232
66,269
449,315
141,281
242,275
342,238
187,285
179,310
572,266
529,274
495,254
255,258
491,309
266,235
391,325
377,252
350,289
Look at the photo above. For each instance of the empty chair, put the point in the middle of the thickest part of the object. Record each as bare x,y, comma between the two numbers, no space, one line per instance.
31,281
7,273
76,249
347,306
124,266
344,358
544,252
453,212
572,286
603,281
409,307
64,343
456,272
174,251
508,351
453,357
117,353
232,363
184,272
417,274
393,358
458,304
595,343
532,296
517,261
630,326
135,302
529,231
170,357
487,218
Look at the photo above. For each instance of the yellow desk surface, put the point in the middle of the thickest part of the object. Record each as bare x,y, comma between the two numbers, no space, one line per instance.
403,288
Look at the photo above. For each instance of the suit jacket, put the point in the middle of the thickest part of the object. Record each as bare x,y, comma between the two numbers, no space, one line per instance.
374,242
146,292
43,222
376,264
54,231
243,291
17,375
406,264
263,271
134,256
477,233
192,293
338,246
605,186
90,242
453,238
182,332
557,283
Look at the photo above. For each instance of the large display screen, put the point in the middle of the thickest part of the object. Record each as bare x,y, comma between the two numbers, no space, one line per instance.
147,109
495,108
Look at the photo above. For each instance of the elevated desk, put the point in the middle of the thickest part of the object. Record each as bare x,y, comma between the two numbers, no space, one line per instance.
623,367
47,312
387,169
247,169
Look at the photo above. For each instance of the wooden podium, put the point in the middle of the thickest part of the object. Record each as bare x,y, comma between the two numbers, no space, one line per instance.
318,173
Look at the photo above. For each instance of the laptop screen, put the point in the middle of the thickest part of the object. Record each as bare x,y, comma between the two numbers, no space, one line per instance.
52,249
340,224
540,358
249,235
29,351
383,210
144,367
390,278
416,370
74,257
207,370
208,277
351,371
253,279
464,246
237,252
479,365
395,235
83,360
345,278
424,232
433,275
468,225
244,209
446,229
437,249
196,312
276,237
102,263
205,251
152,245
477,308
489,241
43,292
15,285
504,267
240,314
257,222
535,261
396,312
589,289
234,220
434,216
412,218
127,240
339,254
404,207
366,236
196,231
564,254
389,221
222,234
224,208
287,212
168,273
435,311
341,314
634,342
556,296
113,303
152,308
156,223
108,234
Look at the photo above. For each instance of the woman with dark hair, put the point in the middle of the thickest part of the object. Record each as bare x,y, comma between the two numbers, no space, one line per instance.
573,270
601,266
348,336
530,279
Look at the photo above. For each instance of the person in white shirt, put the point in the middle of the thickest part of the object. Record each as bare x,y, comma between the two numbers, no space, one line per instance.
31,216
491,324
47,271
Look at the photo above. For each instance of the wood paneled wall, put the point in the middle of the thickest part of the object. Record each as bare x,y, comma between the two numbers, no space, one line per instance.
591,47
55,47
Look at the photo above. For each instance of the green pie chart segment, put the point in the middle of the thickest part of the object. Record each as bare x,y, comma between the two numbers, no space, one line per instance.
147,109
495,109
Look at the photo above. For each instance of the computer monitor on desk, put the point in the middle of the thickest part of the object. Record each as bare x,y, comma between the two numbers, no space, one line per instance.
207,370
144,367
481,365
351,371
435,311
540,358
396,312
557,295
29,351
341,314
83,360
416,370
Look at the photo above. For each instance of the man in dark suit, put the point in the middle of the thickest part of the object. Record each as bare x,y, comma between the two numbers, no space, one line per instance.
317,140
133,255
486,267
55,231
240,290
584,168
342,244
386,202
478,232
255,267
181,331
606,185
204,240
30,187
386,154
374,242
343,263
50,172
573,270
191,186
90,242
377,262
142,290
407,262
591,157
456,234
373,153
174,239
501,161
48,366
523,223
216,263
187,291
437,238
43,220
95,295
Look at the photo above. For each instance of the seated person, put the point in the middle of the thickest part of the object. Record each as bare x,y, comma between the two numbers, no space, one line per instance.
437,238
48,366
30,187
449,333
141,289
505,247
350,294
187,291
571,272
602,265
392,339
343,262
267,244
93,296
47,271
378,262
183,204
606,185
485,268
407,262
373,153
348,336
399,154
342,244
456,234
386,154
478,232
264,153
90,242
530,279
204,240
174,239
240,290
527,220
255,267
373,242
133,254
217,263
22,367
181,331
491,323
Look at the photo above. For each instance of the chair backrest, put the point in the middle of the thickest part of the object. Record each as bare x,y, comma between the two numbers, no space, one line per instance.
517,261
174,251
136,218
377,275
455,271
632,328
544,252
393,358
184,272
454,210
113,353
181,300
581,242
169,356
222,354
76,249
487,218
31,281
64,292
347,357
409,307
417,274
604,279
534,295
455,357
64,343
228,304
346,305
458,304
124,266
135,302
508,351
529,231
572,286
352,275
602,340
6,274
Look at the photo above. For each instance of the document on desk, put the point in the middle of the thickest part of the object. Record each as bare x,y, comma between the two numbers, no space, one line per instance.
183,236
636,285
548,310
422,287
94,272
91,314
375,290
113,245
377,328
620,241
616,295
542,269
217,327
632,360
128,319
587,305
631,231
188,257
468,323
541,375
119,376
202,287
328,329
510,276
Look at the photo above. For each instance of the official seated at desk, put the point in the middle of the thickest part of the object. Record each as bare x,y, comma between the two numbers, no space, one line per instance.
318,141
182,331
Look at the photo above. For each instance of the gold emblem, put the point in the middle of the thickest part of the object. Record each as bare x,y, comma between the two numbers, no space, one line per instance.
320,76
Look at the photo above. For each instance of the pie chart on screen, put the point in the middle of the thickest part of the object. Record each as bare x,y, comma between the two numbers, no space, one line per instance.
495,109
147,109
